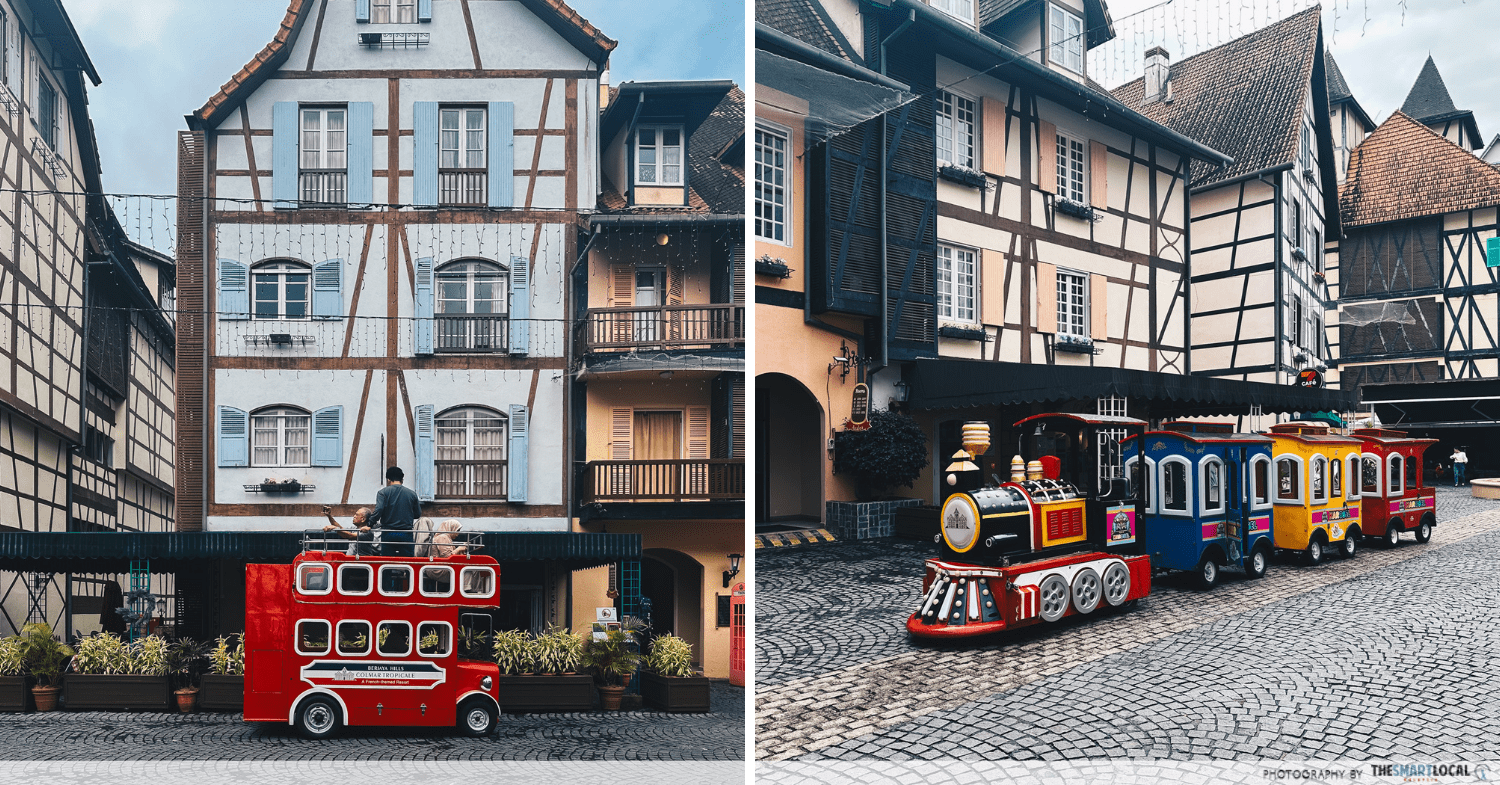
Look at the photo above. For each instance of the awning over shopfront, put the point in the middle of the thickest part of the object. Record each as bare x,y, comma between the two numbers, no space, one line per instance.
110,552
1454,403
956,384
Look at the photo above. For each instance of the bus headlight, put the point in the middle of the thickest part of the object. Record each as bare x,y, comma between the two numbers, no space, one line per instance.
487,684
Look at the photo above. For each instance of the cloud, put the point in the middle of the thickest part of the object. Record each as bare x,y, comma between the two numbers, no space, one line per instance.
136,25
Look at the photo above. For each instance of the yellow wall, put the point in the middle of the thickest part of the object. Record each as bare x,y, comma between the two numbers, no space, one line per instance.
694,251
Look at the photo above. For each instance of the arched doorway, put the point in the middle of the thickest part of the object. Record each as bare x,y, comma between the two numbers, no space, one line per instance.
674,582
789,460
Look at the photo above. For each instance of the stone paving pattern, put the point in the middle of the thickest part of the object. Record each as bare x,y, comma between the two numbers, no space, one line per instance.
862,687
616,736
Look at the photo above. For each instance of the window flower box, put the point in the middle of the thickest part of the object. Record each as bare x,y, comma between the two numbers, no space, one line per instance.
1073,344
283,486
776,268
675,694
1076,209
962,333
542,694
115,692
963,175
222,692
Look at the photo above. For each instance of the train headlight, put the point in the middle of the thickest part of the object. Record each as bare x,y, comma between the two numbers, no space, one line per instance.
486,684
960,522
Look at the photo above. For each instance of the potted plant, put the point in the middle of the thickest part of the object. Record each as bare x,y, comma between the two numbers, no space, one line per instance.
15,687
185,660
223,687
611,659
668,681
891,452
46,659
538,674
110,675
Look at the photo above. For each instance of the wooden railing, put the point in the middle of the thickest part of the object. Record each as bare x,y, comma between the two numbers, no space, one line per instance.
471,332
665,480
663,327
463,187
471,479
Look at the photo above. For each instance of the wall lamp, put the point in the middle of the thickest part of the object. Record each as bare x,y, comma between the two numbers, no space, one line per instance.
734,568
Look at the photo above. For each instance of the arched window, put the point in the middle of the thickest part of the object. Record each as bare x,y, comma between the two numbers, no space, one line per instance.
1318,478
1260,481
1394,473
471,454
1140,483
1353,475
1336,478
281,289
1411,471
1174,486
280,436
1288,480
472,305
1212,485
1369,476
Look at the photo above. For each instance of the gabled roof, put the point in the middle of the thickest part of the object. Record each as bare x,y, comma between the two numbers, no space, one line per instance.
1101,24
1491,153
1243,98
806,21
1406,170
1339,92
1429,101
52,19
716,182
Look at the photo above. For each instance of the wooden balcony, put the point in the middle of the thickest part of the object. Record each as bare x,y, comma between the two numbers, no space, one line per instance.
682,480
716,326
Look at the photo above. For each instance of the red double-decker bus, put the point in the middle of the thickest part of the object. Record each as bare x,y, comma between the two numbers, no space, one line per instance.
337,638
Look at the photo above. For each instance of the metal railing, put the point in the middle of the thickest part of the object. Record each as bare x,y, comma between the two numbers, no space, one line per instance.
471,479
463,187
665,480
663,327
315,541
323,187
471,333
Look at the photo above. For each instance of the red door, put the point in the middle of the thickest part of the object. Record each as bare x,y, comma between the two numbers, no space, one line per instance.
737,636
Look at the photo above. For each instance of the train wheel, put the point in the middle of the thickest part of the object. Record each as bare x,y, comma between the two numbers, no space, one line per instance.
1349,546
1208,572
1314,552
1086,590
1393,533
476,717
1116,583
1054,597
1255,566
318,717
1424,529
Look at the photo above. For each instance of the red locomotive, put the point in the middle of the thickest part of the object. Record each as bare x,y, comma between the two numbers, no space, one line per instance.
1393,494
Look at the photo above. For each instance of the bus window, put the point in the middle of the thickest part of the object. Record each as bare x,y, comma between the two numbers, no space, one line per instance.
1174,492
434,639
1370,476
314,579
395,580
1288,483
477,582
1336,478
1395,477
1261,468
394,638
437,581
1411,473
476,631
1317,470
355,579
312,637
354,638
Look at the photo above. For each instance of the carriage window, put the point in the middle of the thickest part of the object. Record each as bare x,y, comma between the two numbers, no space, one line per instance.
355,579
1411,473
312,637
1262,471
1213,486
1288,480
395,580
1336,479
394,638
434,639
1370,476
1174,491
437,581
1353,476
475,631
477,582
314,579
1317,471
354,638
1395,478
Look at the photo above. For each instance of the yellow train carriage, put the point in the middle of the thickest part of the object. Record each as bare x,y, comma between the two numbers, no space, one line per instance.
1312,479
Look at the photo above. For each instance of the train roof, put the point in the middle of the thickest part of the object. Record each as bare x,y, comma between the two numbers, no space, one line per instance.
1087,419
1389,438
1209,438
1316,438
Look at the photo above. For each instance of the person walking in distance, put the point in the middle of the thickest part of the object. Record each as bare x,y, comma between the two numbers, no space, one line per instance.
1460,467
396,509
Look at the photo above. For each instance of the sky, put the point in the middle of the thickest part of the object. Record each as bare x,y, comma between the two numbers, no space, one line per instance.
162,59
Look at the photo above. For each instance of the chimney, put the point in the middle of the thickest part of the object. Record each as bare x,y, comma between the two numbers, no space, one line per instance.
1158,68
604,91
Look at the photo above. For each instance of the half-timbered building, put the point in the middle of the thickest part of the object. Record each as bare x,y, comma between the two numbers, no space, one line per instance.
1346,119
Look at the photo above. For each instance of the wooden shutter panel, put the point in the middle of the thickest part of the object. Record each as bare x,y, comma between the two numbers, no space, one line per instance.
1098,307
737,417
284,153
233,290
1046,298
328,289
992,287
520,305
361,156
676,278
697,450
621,448
423,308
424,165
361,10
502,174
328,436
424,10
1098,174
234,437
426,469
1046,171
520,453
993,135
621,295
737,274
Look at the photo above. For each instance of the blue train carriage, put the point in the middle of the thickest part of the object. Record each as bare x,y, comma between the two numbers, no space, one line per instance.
1196,512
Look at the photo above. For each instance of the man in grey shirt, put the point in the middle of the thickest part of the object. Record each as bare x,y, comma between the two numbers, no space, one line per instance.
396,510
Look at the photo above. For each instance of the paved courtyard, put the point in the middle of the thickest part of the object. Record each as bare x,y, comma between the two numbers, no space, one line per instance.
597,736
1391,653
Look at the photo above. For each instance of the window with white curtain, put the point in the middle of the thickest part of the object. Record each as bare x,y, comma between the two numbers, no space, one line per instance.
956,284
280,437
1072,304
1065,34
471,453
658,155
1072,172
393,11
960,9
955,129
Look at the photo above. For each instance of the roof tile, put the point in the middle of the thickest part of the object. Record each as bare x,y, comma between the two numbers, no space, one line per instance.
800,20
1406,170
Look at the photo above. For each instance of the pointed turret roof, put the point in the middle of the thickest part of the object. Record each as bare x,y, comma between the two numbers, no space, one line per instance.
1429,95
1339,91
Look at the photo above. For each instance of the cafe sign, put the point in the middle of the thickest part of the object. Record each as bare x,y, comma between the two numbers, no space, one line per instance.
859,413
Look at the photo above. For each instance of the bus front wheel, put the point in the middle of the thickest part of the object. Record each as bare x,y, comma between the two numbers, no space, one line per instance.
476,717
318,717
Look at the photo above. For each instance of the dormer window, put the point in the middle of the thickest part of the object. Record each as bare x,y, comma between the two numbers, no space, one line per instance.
958,9
1065,32
658,155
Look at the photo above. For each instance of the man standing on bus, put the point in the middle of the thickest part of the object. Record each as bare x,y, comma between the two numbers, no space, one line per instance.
396,509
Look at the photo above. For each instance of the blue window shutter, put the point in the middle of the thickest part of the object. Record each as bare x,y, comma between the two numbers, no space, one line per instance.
361,10
361,135
234,290
328,436
424,10
426,487
328,289
502,174
284,146
424,165
234,437
520,305
515,484
422,325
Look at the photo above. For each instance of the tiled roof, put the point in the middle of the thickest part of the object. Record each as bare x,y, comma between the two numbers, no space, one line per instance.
1101,24
715,186
1243,98
1406,170
800,19
1429,95
1338,89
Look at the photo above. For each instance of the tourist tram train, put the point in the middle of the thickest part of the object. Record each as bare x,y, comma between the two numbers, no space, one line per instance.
1087,518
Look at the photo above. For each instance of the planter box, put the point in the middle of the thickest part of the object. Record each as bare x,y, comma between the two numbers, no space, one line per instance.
865,520
84,692
15,693
681,695
221,693
546,693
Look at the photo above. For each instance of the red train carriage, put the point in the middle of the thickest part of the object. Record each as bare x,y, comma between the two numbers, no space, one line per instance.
336,639
1394,497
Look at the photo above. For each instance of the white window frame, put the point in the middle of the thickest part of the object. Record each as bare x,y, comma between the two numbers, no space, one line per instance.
1065,48
1148,503
950,291
1301,490
452,578
1187,490
443,425
1312,491
411,643
660,148
1351,476
337,637
326,147
463,145
1379,474
466,593
472,272
1337,462
957,116
47,117
411,580
1256,503
416,639
962,10
766,193
394,10
343,568
1072,154
1395,477
281,269
281,414
297,638
304,568
1204,466
1065,280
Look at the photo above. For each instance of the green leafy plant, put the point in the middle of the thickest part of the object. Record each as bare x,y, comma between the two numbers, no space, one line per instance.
557,651
186,661
891,452
100,654
513,652
224,661
430,642
13,656
355,642
670,656
472,643
150,656
611,658
46,656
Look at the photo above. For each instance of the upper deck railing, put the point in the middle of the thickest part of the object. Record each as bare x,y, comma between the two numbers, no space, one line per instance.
427,544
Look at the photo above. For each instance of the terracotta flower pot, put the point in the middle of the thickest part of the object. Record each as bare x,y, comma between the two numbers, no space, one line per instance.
609,697
187,699
45,697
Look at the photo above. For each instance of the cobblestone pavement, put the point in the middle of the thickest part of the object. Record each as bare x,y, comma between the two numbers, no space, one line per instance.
1272,661
623,736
